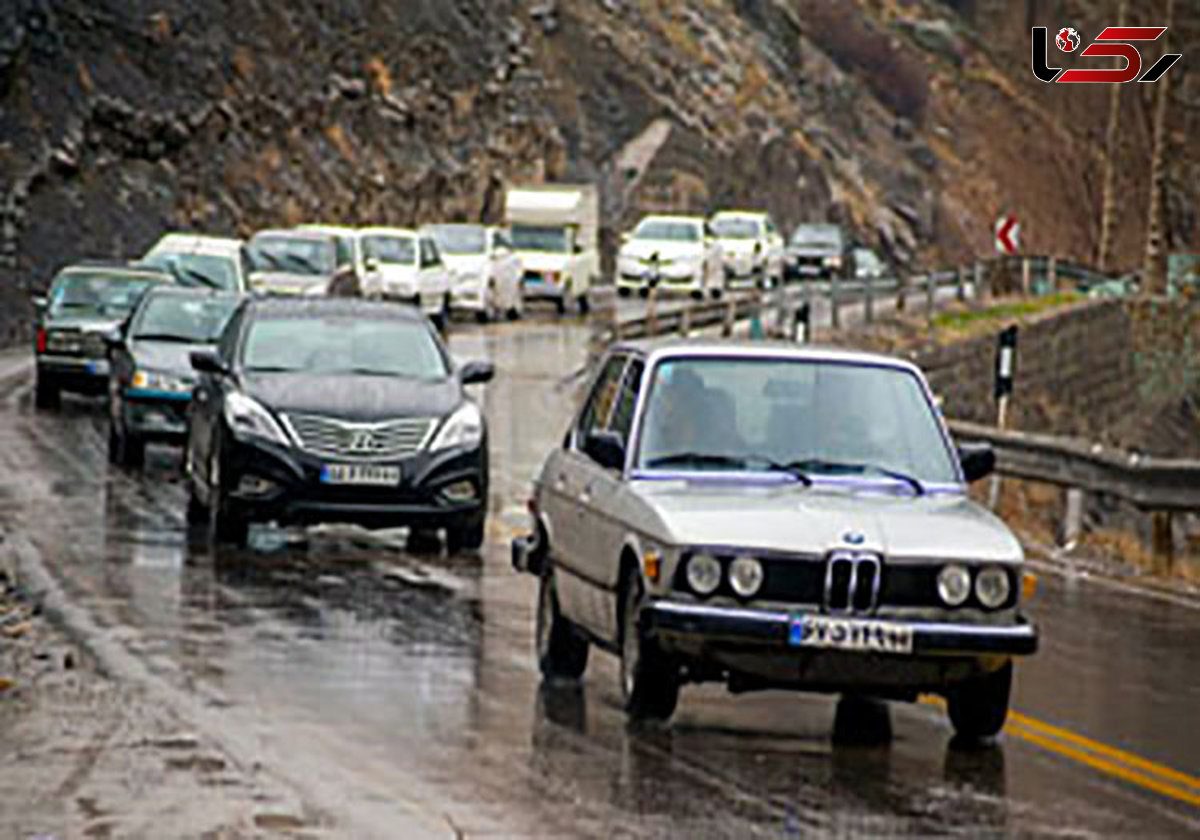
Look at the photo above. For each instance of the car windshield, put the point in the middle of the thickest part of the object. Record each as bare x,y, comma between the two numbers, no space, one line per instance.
183,318
209,270
96,294
390,250
734,228
661,230
866,260
364,346
291,254
460,239
818,418
553,240
818,236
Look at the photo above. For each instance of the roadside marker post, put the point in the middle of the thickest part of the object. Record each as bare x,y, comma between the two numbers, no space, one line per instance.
802,324
1006,363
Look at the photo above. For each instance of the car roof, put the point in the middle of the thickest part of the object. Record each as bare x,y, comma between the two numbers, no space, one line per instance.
338,230
656,349
331,307
740,214
191,291
295,233
672,217
388,231
197,244
455,225
116,267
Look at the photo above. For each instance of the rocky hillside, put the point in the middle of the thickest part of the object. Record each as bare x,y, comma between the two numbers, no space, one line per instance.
119,120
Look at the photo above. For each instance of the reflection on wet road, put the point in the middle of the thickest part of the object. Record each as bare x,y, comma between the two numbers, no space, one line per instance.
403,683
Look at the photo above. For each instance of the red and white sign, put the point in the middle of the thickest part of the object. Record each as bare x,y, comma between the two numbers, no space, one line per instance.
1008,235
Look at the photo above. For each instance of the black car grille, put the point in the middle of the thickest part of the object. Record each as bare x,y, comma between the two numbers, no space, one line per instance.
803,580
87,345
340,438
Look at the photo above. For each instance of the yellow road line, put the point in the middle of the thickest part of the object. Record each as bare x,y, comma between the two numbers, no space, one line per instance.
1088,744
1112,761
1111,768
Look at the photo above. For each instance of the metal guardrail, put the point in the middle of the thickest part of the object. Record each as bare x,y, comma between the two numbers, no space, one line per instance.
1151,484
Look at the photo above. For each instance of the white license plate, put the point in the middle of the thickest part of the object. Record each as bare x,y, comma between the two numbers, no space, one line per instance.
362,475
819,631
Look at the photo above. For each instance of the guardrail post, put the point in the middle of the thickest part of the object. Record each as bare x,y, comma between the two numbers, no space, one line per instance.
868,300
1052,272
835,313
651,311
1072,525
960,290
730,316
1025,269
685,320
901,291
930,294
980,292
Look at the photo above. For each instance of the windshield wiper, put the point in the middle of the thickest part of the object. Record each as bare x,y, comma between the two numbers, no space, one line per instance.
197,277
273,369
737,462
181,339
819,465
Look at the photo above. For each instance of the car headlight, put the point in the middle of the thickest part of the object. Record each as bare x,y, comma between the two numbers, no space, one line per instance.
833,262
151,380
992,587
462,428
248,418
746,576
954,585
703,574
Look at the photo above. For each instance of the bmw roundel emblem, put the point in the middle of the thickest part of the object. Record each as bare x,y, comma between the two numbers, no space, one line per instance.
854,538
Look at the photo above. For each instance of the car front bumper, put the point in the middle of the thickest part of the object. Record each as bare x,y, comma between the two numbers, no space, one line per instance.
159,416
74,373
740,626
268,482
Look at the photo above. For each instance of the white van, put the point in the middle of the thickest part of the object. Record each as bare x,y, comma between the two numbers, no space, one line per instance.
555,231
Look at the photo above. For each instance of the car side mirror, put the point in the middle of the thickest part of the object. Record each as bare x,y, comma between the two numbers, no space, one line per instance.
578,249
978,460
207,361
626,236
476,373
40,302
605,448
113,337
371,264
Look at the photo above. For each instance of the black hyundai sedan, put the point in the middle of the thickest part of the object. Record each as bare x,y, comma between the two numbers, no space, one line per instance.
151,376
317,410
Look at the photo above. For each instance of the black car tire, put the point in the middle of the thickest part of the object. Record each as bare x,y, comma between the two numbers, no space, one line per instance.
483,316
124,449
585,306
467,535
979,707
514,314
197,513
716,293
562,651
224,525
561,305
46,393
649,680
623,291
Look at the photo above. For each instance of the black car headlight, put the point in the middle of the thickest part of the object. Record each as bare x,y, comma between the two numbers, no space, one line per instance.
247,418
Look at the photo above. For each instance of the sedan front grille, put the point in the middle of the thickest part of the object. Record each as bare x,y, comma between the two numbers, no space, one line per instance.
343,439
89,345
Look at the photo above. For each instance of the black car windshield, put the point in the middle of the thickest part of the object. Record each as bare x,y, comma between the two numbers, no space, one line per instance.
815,417
460,239
390,250
818,236
96,294
292,254
366,346
552,240
735,228
195,319
205,270
661,230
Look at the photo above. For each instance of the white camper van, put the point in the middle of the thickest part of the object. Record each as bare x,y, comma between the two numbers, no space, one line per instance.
555,230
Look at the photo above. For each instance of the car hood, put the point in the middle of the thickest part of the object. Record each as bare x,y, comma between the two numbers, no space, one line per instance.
345,396
810,249
665,250
466,263
166,356
83,324
798,519
544,261
739,246
285,282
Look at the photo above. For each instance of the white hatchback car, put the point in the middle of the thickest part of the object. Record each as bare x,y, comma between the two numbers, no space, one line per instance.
197,260
410,267
485,271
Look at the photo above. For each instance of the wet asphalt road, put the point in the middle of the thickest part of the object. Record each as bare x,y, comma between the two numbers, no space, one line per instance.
400,688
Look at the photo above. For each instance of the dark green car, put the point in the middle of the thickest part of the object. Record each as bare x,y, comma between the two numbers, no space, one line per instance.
83,303
151,380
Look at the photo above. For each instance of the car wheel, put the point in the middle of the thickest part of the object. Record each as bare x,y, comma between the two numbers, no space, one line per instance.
124,449
562,652
197,513
46,393
716,293
560,304
698,294
979,707
467,535
649,680
623,291
513,314
483,316
224,525
584,304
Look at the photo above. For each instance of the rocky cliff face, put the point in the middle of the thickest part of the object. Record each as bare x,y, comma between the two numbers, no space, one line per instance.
119,121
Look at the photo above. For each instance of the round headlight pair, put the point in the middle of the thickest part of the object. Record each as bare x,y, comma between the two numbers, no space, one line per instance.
992,586
704,575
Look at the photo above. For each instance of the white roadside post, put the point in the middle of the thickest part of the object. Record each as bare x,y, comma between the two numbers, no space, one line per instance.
1006,361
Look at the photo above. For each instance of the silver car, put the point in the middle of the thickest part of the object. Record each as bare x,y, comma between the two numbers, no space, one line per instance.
771,516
